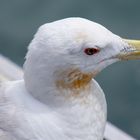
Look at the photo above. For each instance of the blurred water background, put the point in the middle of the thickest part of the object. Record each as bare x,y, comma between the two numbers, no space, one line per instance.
19,21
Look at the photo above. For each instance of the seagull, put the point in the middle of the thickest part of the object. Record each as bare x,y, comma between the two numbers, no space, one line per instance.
58,98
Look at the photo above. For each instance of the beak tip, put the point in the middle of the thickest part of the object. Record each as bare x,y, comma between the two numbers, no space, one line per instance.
131,51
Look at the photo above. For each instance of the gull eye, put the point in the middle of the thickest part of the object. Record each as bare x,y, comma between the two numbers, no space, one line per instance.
91,51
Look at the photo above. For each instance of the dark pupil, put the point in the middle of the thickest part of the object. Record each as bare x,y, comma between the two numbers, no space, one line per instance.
91,51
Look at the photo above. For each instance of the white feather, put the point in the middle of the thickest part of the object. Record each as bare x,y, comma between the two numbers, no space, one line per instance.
35,109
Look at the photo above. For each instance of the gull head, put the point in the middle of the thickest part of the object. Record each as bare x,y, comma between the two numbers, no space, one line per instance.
68,53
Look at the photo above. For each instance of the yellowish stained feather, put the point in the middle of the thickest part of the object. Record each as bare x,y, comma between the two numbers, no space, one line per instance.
76,80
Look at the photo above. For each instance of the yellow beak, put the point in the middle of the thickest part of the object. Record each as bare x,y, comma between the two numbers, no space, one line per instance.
131,51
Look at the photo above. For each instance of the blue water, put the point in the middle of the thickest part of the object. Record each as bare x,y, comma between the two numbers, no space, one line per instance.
19,21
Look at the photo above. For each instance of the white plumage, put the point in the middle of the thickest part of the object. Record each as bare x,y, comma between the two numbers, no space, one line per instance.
58,100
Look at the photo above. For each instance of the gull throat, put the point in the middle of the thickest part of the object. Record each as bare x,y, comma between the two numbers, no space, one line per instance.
74,80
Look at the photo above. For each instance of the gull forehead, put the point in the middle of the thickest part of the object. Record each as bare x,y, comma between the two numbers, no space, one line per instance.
73,31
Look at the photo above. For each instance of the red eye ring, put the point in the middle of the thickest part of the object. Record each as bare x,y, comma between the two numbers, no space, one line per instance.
91,51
